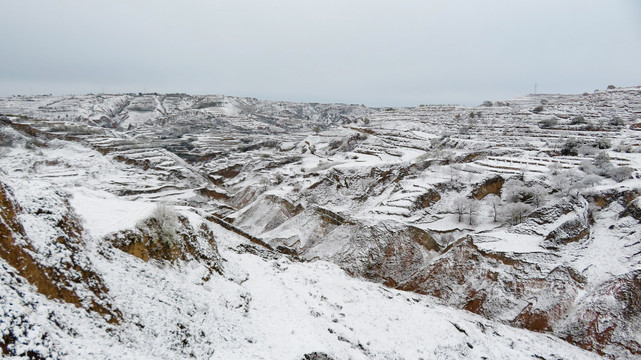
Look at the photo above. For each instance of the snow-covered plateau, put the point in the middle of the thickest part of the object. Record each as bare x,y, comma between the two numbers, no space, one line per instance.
173,226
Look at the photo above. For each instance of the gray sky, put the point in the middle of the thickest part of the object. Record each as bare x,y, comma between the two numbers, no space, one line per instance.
354,51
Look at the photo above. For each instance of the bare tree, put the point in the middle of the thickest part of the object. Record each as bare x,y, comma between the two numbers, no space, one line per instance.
495,205
538,194
555,168
602,163
591,179
517,212
460,206
512,190
472,207
566,181
455,175
163,224
620,173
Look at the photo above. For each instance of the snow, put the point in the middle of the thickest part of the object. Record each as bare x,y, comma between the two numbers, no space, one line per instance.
609,249
424,135
284,309
104,213
504,241
270,308
266,305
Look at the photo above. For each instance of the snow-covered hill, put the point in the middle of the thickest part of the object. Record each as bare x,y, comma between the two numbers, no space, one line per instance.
176,226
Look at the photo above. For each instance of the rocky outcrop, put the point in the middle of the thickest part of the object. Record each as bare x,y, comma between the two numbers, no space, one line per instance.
604,198
384,252
245,196
571,230
633,209
359,183
228,172
491,185
604,318
148,243
330,217
498,286
387,252
552,212
69,276
266,214
305,231
213,194
554,295
426,199
607,320
317,356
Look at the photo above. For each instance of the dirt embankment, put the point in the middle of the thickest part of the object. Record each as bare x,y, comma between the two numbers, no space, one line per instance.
59,282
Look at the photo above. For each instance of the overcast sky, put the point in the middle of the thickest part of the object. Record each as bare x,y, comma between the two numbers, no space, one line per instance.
354,51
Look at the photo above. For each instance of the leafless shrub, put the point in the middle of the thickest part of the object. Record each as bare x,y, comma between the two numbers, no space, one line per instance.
162,224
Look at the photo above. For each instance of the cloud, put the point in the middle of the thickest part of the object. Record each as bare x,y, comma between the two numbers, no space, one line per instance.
357,51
